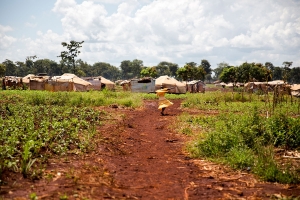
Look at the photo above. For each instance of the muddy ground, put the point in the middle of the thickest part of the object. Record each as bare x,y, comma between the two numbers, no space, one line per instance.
139,156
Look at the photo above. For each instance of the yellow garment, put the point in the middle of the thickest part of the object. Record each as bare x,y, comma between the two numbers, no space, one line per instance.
162,101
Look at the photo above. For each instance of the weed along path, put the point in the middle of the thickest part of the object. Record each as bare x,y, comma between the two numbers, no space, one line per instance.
139,156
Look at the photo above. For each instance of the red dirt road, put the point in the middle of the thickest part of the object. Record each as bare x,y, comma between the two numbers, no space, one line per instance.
141,158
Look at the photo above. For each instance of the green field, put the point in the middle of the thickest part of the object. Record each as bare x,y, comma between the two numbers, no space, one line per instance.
237,129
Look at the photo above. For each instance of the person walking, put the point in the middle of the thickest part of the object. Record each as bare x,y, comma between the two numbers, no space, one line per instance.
163,103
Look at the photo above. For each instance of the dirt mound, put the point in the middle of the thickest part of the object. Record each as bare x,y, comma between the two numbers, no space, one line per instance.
139,157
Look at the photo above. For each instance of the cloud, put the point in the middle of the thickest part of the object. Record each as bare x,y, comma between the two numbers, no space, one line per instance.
177,31
31,25
5,40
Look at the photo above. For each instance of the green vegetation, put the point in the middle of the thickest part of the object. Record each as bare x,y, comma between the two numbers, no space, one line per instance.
243,132
35,125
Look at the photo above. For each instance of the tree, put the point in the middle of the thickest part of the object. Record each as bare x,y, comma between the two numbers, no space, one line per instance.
149,72
106,70
167,68
219,69
2,70
11,68
30,64
131,69
206,66
277,73
136,67
286,70
294,76
229,74
70,55
191,72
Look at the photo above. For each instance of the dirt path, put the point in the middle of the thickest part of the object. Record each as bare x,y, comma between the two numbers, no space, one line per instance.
140,158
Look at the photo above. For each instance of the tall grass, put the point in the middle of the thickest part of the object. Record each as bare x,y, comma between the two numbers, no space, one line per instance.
243,134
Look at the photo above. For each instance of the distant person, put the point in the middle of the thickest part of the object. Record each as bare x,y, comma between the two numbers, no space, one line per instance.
163,103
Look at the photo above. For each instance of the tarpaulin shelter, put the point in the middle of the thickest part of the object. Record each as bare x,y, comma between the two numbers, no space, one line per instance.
26,79
95,81
295,90
68,82
175,86
105,83
145,85
263,86
196,86
38,82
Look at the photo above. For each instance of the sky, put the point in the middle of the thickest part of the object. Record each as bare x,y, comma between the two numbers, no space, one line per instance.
181,31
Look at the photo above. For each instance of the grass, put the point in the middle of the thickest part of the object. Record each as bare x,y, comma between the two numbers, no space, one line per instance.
244,133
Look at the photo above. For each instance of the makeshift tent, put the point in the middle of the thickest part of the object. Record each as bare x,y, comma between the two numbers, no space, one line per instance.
174,85
196,86
263,86
105,83
38,82
295,90
26,79
95,81
126,85
146,85
68,82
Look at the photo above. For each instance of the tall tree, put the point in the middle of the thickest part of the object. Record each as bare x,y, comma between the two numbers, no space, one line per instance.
286,70
125,67
131,69
277,73
294,76
191,72
70,55
167,68
11,68
2,70
149,72
206,66
136,67
229,74
217,71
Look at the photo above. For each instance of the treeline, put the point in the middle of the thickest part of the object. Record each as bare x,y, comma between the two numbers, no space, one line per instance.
127,69
135,69
257,72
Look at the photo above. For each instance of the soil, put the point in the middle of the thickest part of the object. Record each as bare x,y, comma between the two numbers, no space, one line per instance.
139,156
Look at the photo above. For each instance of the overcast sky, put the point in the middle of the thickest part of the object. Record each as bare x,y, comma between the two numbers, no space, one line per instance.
177,31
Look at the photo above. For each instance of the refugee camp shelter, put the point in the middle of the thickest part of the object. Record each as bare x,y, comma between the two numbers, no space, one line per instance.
175,86
295,90
105,83
263,86
68,82
12,82
26,79
144,85
196,86
38,82
126,85
95,81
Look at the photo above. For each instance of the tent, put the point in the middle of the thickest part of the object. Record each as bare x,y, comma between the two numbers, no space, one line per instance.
26,79
196,86
105,83
95,81
145,85
175,86
38,82
295,90
68,82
